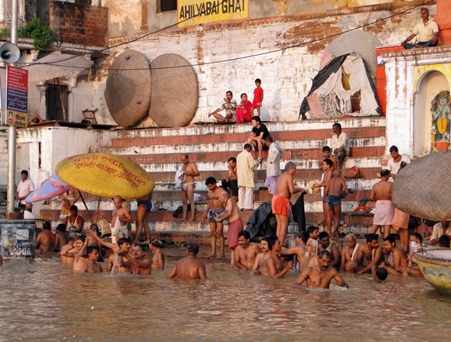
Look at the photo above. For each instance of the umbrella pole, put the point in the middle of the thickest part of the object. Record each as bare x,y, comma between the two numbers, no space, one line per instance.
98,209
83,200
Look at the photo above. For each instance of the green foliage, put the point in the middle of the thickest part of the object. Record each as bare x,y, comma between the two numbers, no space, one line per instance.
41,34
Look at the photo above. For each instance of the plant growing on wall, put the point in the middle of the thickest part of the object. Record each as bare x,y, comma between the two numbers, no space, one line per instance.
36,30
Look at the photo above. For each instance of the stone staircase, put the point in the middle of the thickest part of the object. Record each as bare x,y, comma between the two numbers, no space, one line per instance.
158,150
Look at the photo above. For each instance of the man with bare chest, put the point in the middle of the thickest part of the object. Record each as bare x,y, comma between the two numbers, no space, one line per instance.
189,267
157,255
371,252
259,267
280,203
91,265
120,217
321,277
217,197
335,187
245,252
349,253
139,262
189,172
395,260
381,194
274,265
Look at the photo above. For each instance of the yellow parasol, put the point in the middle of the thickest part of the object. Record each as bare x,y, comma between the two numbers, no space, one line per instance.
105,175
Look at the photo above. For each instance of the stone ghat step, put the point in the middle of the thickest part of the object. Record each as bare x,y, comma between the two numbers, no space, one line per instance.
302,164
225,144
354,183
259,174
259,196
172,155
163,221
296,130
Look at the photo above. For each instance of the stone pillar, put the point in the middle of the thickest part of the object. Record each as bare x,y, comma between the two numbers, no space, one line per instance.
443,20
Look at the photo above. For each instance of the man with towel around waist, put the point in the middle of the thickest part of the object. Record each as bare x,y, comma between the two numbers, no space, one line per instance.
280,203
381,194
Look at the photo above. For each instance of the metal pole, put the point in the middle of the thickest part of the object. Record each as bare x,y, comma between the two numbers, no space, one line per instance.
12,129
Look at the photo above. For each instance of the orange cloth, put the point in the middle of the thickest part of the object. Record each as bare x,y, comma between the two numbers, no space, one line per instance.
280,205
400,220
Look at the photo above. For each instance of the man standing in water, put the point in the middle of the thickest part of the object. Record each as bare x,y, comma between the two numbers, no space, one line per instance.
381,194
139,263
280,203
274,265
371,252
245,252
395,260
122,247
189,172
46,239
321,277
91,265
331,247
189,267
217,197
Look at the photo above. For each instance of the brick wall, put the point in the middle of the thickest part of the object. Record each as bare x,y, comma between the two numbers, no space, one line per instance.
78,23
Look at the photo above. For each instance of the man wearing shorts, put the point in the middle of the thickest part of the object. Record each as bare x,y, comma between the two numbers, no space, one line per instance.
217,197
189,172
280,203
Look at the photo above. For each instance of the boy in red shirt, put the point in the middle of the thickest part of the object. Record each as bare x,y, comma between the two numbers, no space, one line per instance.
258,96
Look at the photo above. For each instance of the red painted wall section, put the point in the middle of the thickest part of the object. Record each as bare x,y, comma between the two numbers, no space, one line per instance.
79,24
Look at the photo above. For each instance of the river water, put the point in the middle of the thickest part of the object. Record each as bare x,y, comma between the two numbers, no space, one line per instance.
47,301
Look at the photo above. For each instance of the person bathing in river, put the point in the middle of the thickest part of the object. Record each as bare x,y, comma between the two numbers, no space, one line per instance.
45,240
320,277
123,245
91,265
274,265
371,252
158,255
348,254
139,262
259,266
189,267
245,252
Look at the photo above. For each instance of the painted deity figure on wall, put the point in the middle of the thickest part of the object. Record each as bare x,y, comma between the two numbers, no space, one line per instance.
441,115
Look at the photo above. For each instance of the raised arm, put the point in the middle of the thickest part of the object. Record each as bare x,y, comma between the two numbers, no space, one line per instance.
113,246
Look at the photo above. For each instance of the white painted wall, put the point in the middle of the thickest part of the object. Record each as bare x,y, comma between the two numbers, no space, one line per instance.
286,75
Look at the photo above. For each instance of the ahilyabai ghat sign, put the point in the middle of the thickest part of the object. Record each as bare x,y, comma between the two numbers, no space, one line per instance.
195,12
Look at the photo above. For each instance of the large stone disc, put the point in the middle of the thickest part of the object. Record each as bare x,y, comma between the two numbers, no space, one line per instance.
423,187
175,92
128,88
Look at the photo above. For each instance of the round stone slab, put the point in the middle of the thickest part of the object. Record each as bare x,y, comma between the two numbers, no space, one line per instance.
128,88
175,91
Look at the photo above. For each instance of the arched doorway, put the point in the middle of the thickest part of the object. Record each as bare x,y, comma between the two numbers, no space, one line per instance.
429,86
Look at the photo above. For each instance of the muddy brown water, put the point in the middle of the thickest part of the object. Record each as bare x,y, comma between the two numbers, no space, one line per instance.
46,301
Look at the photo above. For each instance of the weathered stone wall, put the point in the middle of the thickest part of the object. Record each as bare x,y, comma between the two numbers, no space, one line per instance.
78,23
284,52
